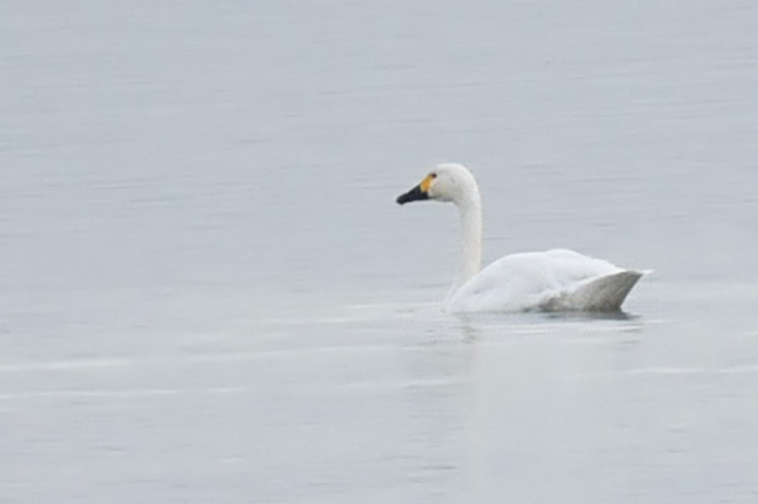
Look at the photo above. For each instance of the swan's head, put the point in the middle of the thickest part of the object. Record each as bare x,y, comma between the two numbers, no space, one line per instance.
446,182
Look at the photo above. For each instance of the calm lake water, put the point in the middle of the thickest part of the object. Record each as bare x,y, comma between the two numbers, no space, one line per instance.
208,293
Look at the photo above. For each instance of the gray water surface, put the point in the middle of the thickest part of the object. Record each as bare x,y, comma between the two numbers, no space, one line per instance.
208,294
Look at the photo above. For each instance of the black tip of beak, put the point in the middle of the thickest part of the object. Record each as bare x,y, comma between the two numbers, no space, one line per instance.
414,194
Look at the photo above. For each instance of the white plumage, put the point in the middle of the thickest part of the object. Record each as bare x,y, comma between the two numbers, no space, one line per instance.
556,280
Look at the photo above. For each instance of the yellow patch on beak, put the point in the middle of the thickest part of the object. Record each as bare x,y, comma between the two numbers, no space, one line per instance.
426,183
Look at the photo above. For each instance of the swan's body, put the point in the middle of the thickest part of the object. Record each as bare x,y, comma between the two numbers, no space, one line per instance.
556,280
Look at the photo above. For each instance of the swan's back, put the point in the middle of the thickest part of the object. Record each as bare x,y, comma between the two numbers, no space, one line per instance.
552,280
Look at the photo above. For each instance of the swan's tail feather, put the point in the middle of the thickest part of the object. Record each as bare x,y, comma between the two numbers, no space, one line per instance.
604,294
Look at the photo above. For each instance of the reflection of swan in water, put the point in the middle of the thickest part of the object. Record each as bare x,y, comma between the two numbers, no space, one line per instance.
556,280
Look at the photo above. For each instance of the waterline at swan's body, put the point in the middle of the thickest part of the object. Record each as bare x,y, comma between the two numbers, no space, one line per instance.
556,280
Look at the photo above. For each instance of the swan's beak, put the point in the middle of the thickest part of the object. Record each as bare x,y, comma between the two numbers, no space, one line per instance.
420,192
415,194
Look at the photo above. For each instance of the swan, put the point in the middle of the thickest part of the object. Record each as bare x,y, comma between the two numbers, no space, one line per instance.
555,280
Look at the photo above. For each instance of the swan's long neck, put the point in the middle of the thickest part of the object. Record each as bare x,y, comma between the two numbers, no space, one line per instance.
470,210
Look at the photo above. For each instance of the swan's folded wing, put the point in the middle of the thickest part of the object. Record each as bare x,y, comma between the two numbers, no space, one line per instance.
603,294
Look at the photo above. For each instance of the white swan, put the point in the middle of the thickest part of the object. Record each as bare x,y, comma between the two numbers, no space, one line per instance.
556,280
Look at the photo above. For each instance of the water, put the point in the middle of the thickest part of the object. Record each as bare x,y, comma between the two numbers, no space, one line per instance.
208,294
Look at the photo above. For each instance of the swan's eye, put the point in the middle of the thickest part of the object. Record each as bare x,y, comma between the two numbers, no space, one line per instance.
427,182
